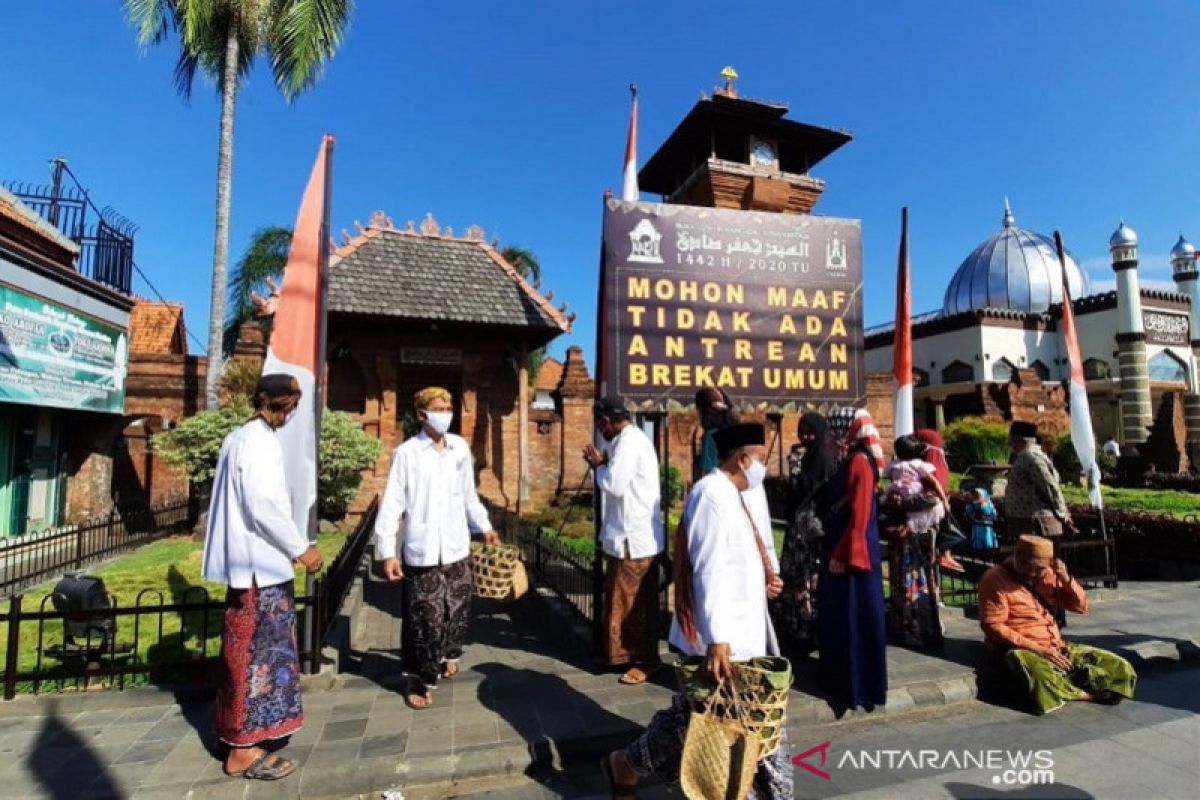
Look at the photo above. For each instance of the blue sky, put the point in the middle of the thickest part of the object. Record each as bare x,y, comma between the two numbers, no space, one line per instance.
512,116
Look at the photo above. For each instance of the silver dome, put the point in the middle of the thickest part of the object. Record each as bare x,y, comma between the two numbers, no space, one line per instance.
1123,236
1183,249
1015,269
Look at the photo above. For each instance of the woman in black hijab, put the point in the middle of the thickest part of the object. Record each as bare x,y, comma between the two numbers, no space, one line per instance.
810,464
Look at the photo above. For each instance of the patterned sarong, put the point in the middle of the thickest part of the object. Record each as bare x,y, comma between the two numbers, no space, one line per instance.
258,698
437,609
659,751
1097,672
632,593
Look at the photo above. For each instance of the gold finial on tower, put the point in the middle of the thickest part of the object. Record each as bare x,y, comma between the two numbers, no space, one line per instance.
730,75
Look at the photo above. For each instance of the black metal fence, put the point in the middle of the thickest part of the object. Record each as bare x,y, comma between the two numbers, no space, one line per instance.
32,559
105,238
168,638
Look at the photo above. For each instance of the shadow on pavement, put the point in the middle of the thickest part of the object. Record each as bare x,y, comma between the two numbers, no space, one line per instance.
64,765
1056,791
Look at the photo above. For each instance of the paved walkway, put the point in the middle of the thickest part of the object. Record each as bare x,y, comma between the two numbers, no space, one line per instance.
527,699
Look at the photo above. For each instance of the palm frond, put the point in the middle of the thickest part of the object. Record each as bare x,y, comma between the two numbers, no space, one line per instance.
265,257
524,261
152,19
304,36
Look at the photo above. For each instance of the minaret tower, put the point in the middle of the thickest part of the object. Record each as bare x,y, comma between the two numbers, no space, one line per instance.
1183,265
1136,411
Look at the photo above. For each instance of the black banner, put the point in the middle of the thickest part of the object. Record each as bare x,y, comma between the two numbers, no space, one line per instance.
766,306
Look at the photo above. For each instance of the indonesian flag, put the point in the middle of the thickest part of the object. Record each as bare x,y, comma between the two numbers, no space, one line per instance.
902,366
1081,417
298,339
629,183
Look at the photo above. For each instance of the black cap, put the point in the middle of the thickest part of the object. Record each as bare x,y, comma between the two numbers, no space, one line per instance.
277,385
747,434
611,408
1024,430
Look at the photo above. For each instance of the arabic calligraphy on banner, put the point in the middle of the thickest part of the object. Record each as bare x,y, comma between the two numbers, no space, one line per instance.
766,306
1165,328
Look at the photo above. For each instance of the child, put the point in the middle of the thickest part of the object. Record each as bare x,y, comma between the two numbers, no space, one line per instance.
982,514
913,486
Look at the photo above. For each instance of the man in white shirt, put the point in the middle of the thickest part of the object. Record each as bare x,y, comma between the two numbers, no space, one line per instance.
726,571
431,487
632,538
251,545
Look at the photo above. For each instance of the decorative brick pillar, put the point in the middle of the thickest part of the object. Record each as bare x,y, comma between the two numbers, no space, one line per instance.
576,392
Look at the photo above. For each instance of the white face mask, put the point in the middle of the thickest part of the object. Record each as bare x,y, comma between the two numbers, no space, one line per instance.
439,421
755,473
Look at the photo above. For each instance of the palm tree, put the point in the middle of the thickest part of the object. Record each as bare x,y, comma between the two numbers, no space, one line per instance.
264,260
221,38
527,264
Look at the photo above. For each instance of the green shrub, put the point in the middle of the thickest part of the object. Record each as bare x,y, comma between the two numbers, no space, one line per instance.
1066,461
1108,466
972,440
346,450
672,483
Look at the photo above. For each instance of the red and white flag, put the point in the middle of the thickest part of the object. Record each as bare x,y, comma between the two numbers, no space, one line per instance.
297,345
902,365
1081,418
629,182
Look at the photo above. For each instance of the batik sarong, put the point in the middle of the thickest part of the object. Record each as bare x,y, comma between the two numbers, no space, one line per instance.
632,592
437,609
794,612
1098,672
659,751
258,697
913,577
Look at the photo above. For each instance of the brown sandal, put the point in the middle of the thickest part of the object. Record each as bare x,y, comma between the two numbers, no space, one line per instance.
260,770
411,693
636,676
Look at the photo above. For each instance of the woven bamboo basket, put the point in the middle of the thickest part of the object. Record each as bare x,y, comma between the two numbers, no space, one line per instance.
497,571
761,687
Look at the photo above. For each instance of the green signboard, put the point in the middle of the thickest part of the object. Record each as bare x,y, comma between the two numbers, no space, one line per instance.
50,356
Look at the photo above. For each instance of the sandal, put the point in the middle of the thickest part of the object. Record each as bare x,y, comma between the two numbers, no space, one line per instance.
449,669
617,790
635,676
260,770
412,693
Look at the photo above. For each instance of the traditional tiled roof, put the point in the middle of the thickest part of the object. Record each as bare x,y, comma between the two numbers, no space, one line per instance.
157,329
549,375
12,208
430,274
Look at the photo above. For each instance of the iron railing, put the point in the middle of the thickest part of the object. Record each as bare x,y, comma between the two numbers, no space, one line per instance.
170,638
32,559
105,238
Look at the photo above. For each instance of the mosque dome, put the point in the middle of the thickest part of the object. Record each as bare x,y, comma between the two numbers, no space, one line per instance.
1183,249
1123,236
1015,269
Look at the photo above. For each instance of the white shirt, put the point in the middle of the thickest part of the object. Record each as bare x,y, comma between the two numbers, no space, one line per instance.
252,538
729,585
629,483
433,490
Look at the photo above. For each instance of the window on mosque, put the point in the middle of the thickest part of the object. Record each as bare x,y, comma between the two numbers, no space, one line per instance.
920,377
1003,371
1166,368
1095,369
1043,371
958,372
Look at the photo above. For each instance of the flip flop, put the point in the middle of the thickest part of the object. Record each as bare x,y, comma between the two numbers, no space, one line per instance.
446,673
409,694
617,790
630,679
260,770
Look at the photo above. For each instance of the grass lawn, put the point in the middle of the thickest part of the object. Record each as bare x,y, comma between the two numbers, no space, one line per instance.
1153,501
167,571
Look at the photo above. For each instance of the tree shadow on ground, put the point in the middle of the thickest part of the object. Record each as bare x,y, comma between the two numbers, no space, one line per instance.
1054,791
64,765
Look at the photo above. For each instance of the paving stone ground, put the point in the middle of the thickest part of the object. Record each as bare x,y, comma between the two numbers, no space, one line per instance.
528,701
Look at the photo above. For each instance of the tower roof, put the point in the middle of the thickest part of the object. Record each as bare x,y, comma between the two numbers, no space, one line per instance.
723,117
1013,269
